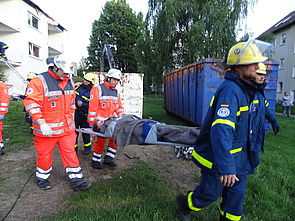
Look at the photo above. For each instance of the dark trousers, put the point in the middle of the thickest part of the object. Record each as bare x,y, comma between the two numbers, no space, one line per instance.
210,189
81,122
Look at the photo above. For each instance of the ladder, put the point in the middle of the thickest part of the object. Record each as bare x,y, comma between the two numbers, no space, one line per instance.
13,69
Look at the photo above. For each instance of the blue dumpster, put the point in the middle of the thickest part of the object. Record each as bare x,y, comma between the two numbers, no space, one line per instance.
188,90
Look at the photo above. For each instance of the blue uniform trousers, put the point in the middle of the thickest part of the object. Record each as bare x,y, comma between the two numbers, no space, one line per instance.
210,189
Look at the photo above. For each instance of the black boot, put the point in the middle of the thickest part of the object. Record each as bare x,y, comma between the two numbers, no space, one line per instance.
44,184
222,218
79,184
2,149
109,161
87,150
183,210
96,165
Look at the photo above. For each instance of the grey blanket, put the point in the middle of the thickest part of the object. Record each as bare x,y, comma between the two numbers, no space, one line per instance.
128,130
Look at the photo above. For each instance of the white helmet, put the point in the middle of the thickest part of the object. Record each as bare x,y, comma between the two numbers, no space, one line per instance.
114,73
65,64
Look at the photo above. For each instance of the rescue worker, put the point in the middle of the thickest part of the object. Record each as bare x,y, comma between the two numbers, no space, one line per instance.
50,103
4,103
223,149
3,47
259,81
105,102
30,76
82,103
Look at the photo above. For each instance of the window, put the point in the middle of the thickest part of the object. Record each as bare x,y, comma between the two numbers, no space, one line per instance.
280,87
282,63
34,50
33,20
275,43
293,73
283,39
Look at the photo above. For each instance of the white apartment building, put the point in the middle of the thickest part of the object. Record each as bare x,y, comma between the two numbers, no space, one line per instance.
31,35
284,48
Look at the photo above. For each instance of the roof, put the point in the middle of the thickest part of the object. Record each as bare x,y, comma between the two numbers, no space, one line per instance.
286,21
32,4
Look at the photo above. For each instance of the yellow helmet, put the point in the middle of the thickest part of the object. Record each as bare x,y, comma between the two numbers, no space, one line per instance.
31,75
90,77
262,69
245,53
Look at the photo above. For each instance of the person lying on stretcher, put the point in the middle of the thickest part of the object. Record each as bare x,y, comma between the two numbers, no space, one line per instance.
131,129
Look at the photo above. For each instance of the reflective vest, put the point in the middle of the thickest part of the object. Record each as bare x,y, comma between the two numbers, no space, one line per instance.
104,102
224,143
4,98
52,99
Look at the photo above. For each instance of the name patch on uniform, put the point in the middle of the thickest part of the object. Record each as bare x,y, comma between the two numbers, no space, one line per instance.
52,98
223,112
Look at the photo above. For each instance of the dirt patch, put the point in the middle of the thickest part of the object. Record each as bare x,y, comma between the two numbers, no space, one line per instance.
15,169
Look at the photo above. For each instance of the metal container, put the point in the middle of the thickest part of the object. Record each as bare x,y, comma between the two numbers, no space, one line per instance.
188,90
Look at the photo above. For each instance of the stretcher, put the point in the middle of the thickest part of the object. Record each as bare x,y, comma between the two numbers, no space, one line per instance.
131,129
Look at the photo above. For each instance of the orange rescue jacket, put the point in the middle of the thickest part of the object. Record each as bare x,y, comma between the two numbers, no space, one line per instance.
104,102
52,99
4,99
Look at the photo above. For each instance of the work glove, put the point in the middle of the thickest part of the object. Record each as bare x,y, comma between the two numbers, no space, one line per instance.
1,117
46,130
275,127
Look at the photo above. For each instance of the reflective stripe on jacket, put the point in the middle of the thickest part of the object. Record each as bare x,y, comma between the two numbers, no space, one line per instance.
4,99
52,99
104,102
224,140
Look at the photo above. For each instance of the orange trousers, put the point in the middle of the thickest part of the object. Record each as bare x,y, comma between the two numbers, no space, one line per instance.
45,147
99,145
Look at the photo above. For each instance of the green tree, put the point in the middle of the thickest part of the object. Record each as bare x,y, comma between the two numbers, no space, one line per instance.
119,26
83,67
186,31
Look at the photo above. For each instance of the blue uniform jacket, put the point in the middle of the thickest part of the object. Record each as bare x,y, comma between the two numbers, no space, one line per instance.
82,94
234,120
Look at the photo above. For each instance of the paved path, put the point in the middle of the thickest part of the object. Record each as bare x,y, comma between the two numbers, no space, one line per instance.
281,114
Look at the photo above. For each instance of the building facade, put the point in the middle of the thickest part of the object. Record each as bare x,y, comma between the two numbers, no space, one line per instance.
32,36
284,53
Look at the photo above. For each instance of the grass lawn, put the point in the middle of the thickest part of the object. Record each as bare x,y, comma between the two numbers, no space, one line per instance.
138,194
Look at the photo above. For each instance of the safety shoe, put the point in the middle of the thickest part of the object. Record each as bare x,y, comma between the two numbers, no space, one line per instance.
82,186
87,151
182,207
2,150
110,163
44,184
96,165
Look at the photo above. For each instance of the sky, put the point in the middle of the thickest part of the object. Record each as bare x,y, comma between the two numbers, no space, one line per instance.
77,17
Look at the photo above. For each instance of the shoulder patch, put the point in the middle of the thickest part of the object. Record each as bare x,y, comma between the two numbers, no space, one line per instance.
30,91
223,112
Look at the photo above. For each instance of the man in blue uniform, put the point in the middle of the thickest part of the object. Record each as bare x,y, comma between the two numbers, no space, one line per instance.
82,102
223,149
3,47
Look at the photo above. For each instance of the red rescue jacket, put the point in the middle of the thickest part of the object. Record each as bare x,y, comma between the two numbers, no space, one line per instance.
53,99
104,102
4,99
